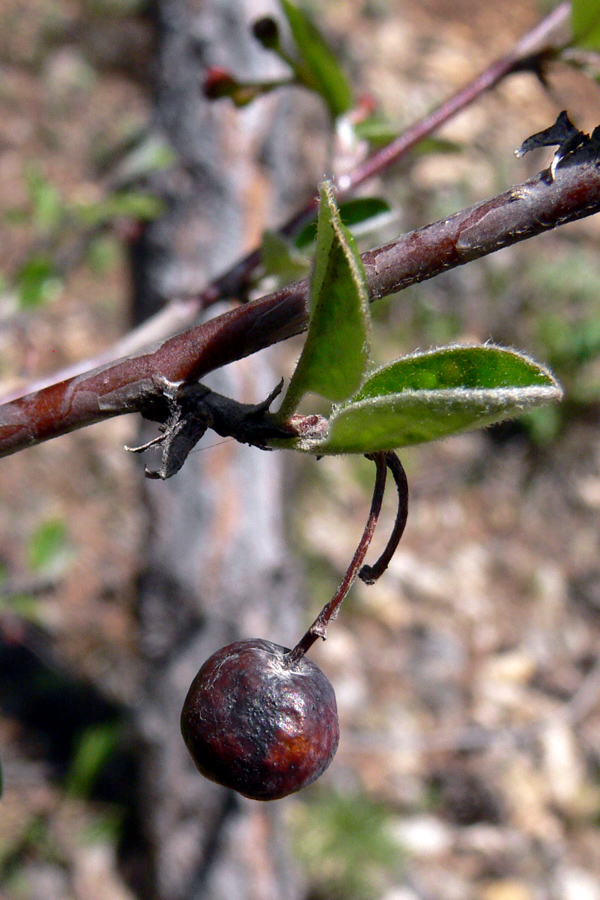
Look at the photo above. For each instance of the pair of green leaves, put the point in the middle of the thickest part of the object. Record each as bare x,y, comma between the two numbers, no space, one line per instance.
414,399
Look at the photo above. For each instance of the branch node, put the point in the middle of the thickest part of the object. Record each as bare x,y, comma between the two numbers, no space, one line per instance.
192,408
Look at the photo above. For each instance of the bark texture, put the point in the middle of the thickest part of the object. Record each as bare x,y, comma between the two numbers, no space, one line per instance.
217,567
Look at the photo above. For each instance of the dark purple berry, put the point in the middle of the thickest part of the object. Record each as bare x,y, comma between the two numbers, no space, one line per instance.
258,722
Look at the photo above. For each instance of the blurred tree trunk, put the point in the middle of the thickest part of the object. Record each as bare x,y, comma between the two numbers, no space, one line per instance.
217,567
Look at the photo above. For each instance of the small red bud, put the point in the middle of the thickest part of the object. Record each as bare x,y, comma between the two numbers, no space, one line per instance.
219,83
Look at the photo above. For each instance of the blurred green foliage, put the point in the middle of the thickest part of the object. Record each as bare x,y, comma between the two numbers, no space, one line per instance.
315,64
565,327
353,213
346,844
37,281
95,746
57,227
47,209
280,258
585,23
49,550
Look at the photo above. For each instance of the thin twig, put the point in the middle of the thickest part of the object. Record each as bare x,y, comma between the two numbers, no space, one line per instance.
330,611
128,385
370,574
182,312
524,55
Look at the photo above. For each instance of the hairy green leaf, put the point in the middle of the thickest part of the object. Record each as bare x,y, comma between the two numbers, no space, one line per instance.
336,349
477,368
432,395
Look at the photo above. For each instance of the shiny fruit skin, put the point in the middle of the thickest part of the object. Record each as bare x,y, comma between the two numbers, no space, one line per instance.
258,724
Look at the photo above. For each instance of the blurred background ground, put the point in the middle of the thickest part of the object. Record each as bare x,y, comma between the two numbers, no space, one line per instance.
468,679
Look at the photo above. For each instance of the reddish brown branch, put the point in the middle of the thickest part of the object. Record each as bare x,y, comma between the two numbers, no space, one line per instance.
527,53
544,40
128,385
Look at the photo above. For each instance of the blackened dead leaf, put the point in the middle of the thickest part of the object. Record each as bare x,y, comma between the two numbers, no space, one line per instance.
560,134
193,409
564,135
